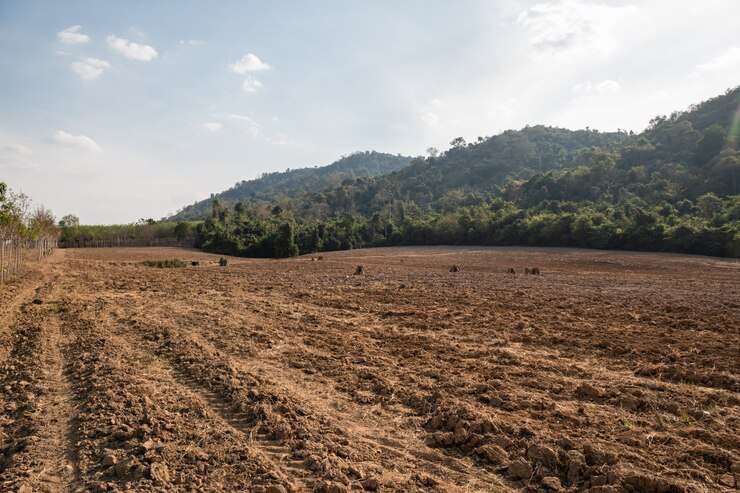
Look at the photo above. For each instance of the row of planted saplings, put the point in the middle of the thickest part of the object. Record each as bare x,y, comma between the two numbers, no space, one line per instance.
15,252
533,271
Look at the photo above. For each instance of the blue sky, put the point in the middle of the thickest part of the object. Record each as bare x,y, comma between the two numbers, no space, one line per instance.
120,110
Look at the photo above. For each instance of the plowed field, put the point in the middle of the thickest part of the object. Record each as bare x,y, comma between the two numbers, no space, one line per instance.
606,372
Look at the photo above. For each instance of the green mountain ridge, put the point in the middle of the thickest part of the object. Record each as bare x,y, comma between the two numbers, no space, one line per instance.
271,187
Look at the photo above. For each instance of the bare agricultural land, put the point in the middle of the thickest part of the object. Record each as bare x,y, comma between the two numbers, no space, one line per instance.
608,371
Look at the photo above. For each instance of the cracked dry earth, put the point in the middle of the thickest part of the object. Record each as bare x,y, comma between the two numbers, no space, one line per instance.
608,372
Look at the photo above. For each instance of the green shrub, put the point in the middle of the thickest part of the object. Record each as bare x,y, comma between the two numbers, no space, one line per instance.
165,264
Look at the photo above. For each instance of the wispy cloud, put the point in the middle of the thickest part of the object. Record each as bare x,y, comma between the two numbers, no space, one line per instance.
249,63
192,42
76,141
728,59
213,126
251,85
89,68
562,25
16,156
73,36
131,50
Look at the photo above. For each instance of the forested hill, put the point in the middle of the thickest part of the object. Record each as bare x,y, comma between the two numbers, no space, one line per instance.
680,156
272,187
485,165
673,187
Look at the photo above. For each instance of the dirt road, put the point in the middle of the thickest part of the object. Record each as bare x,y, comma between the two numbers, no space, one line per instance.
606,372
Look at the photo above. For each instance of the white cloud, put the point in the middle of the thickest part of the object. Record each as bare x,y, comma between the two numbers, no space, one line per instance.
73,36
429,118
192,42
251,85
129,49
726,60
249,63
607,86
562,25
78,141
213,126
89,68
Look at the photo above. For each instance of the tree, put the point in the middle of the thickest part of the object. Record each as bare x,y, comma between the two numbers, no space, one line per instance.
726,172
42,223
285,245
182,231
69,221
710,144
457,142
709,205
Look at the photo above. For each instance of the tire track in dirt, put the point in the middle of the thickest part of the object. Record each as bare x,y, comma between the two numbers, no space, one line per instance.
40,405
394,440
297,476
58,430
141,429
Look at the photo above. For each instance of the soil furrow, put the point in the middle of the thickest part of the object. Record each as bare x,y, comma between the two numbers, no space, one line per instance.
297,477
56,447
609,372
41,433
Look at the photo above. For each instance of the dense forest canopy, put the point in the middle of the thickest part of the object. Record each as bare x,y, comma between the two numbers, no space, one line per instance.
673,187
272,187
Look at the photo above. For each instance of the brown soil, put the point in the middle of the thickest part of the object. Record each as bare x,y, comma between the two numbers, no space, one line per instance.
606,372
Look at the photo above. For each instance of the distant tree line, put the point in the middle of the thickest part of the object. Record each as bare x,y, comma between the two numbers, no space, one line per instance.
708,226
142,233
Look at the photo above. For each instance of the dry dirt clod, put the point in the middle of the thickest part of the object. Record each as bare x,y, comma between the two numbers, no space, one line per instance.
159,473
520,469
552,483
543,455
371,484
493,454
275,488
727,480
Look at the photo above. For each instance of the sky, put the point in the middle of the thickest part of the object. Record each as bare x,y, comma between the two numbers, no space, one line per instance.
116,111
